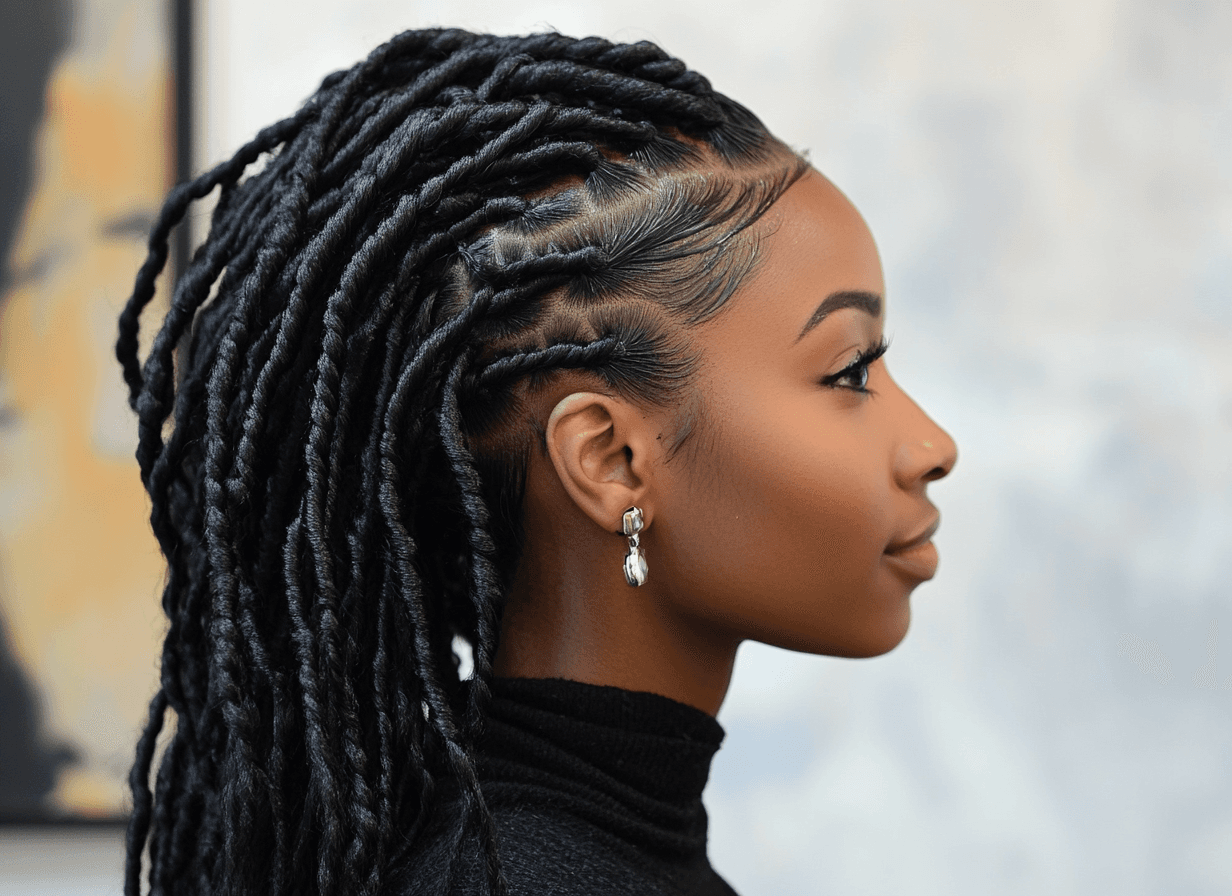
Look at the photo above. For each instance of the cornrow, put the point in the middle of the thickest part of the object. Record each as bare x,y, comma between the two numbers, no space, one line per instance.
330,432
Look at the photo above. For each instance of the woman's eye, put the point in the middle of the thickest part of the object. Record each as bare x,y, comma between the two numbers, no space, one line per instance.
855,375
857,378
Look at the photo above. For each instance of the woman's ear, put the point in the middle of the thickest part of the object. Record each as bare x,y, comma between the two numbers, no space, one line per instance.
600,449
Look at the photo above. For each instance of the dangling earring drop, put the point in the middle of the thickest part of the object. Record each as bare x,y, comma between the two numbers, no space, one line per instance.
635,560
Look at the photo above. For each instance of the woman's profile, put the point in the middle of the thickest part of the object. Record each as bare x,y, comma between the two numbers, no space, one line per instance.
536,344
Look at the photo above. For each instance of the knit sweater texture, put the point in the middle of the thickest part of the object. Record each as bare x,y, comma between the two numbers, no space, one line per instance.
596,791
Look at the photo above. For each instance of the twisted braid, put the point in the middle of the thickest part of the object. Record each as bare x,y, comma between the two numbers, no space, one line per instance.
436,234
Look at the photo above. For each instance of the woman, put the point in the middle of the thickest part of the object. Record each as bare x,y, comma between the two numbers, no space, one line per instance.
537,343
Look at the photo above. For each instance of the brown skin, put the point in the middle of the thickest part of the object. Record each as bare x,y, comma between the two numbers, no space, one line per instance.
797,515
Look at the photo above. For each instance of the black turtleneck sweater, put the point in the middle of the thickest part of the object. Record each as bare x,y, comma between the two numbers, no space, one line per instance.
596,791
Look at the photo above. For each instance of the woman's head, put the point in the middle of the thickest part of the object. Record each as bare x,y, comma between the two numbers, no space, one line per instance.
796,512
442,236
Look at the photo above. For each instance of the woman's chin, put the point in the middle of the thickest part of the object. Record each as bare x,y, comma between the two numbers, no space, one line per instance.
864,650
874,638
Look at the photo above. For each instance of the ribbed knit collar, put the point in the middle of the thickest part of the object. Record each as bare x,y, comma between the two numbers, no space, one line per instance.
633,763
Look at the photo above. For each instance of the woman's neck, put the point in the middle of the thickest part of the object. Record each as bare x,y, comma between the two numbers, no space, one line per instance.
570,614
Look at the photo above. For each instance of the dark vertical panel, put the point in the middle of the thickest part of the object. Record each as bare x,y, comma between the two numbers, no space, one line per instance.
182,76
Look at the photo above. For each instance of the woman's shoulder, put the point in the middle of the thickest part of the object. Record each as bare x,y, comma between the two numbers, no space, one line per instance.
543,853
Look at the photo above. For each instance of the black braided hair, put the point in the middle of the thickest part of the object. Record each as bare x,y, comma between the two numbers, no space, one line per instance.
329,427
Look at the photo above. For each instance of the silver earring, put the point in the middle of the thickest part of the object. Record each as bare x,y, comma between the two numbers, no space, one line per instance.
635,560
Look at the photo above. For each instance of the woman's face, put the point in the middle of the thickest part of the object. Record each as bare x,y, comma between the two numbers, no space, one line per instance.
798,516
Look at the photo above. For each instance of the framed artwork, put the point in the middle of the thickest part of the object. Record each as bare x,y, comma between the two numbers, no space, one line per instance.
90,132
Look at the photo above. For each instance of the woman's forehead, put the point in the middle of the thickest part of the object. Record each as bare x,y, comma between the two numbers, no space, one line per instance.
814,243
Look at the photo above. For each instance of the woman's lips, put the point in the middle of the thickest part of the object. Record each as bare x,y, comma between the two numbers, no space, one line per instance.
916,556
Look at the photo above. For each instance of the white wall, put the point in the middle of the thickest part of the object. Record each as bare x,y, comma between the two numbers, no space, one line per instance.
73,861
1051,186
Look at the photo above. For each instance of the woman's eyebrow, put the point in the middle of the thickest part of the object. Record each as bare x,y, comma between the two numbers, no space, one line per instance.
869,302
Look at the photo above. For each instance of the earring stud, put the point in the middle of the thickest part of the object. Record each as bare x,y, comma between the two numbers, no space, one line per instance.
635,561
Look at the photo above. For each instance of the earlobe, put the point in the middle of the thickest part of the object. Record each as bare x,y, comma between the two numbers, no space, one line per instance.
597,456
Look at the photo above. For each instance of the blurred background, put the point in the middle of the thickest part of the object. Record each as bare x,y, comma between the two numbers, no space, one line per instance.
1050,184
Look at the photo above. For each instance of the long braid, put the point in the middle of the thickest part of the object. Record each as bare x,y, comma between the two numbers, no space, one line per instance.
436,234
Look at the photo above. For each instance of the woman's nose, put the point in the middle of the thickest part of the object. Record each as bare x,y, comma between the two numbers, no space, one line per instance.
926,453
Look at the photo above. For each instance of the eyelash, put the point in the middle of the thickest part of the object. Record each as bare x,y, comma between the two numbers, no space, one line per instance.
857,368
